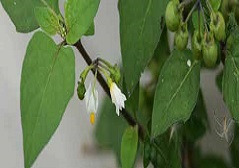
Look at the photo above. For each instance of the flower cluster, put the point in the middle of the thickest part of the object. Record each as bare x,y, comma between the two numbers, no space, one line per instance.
112,75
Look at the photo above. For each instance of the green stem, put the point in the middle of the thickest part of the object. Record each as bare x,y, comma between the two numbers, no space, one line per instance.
85,72
184,3
191,11
105,62
199,23
209,6
105,67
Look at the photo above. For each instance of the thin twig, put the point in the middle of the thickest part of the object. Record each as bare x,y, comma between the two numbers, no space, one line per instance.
105,87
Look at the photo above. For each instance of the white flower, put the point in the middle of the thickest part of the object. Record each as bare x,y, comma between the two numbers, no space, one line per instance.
91,101
117,97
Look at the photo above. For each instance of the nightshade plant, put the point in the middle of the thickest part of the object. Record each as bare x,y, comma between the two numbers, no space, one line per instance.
160,121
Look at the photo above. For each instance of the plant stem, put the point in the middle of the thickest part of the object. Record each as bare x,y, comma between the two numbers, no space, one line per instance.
199,21
184,3
105,87
191,11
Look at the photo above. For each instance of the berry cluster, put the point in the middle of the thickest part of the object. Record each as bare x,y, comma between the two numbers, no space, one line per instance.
205,41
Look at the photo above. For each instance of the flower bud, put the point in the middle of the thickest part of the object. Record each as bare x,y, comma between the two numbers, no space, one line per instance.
81,90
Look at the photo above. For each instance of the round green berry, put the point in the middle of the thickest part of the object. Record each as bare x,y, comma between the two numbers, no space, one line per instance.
172,16
217,25
181,37
81,90
197,45
209,51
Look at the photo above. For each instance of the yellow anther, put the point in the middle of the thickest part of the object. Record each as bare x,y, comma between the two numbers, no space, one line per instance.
92,118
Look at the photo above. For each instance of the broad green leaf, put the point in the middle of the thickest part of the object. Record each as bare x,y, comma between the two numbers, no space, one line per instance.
147,152
215,4
230,85
79,16
161,54
198,124
233,39
141,24
232,26
129,147
91,30
167,154
110,128
132,102
47,85
22,15
177,91
47,20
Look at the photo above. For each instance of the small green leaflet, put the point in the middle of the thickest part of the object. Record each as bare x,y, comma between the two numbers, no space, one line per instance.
22,15
129,147
198,123
47,85
141,25
230,85
47,20
79,16
176,92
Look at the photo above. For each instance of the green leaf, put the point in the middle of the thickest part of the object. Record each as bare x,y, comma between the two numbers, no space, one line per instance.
47,20
215,4
47,85
141,24
161,54
132,102
230,85
129,147
79,16
91,30
22,15
147,151
177,91
167,153
110,128
198,123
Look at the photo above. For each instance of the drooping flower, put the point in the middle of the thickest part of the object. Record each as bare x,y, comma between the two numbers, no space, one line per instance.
91,101
117,97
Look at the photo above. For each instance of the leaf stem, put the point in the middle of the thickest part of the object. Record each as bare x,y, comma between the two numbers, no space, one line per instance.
184,3
105,87
191,11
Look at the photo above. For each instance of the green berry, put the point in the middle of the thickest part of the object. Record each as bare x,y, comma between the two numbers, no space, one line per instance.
197,45
81,90
209,51
217,25
181,37
172,16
